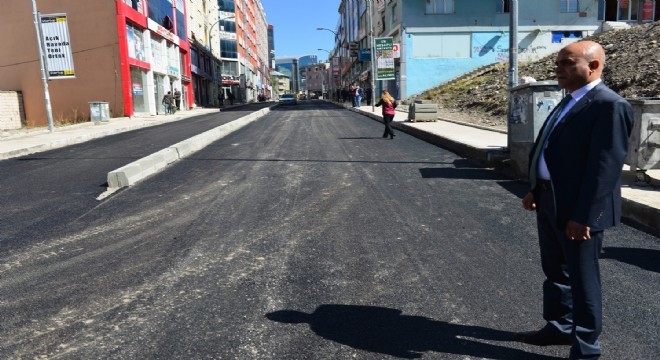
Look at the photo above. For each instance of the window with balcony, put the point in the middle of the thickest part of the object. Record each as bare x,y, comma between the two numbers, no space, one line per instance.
439,6
226,5
228,49
393,17
502,6
161,11
568,6
180,20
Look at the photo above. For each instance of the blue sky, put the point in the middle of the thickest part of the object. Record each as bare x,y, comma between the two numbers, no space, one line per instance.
295,23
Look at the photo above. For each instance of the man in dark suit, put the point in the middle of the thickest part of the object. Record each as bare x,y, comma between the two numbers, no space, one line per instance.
575,168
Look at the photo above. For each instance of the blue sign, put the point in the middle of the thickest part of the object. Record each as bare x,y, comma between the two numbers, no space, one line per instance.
365,55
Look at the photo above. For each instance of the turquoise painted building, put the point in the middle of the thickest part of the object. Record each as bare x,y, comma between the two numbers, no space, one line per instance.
442,39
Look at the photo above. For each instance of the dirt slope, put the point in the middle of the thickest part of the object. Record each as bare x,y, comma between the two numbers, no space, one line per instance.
632,69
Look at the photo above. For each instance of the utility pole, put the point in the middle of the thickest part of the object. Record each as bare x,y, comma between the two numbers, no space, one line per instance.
44,78
341,62
373,54
513,54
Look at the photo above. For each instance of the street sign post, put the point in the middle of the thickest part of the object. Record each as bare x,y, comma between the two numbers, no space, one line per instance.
384,58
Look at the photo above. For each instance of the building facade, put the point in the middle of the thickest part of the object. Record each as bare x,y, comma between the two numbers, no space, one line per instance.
203,35
317,80
128,53
244,49
293,68
439,40
282,84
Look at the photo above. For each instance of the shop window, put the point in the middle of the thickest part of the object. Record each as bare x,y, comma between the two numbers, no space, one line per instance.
158,62
138,80
135,43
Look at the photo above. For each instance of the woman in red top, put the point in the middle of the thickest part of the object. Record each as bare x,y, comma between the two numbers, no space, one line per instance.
388,103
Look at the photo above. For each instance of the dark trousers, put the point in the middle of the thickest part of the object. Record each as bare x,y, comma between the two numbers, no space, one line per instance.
387,119
572,289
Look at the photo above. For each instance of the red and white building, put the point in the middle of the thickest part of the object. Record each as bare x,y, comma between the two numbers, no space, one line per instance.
128,53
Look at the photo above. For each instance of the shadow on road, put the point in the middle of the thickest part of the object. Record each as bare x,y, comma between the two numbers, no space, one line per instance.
463,169
387,331
362,138
454,173
646,259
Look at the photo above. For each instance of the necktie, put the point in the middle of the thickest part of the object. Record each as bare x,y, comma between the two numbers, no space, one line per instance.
550,124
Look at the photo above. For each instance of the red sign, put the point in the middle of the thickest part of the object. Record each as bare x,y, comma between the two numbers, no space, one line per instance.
647,10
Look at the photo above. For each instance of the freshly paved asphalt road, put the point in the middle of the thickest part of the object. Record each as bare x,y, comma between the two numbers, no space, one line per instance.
48,189
304,235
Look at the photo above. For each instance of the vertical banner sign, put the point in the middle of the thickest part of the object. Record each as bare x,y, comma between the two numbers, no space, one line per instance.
57,46
384,58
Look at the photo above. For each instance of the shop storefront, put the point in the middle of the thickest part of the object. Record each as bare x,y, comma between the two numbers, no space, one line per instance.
138,85
156,56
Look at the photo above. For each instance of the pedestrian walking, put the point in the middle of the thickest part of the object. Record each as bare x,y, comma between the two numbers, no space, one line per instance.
351,93
167,102
368,92
358,95
177,99
230,95
221,98
389,104
575,189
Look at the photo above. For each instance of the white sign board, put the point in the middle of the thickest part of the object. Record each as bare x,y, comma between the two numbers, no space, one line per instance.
57,46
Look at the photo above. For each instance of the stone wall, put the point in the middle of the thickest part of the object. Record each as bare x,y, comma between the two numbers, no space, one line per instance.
12,114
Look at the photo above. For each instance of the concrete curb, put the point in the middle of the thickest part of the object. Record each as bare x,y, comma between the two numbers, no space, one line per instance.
488,157
138,170
641,214
81,138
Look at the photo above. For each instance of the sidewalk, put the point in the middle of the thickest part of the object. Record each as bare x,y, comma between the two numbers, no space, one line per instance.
15,143
641,202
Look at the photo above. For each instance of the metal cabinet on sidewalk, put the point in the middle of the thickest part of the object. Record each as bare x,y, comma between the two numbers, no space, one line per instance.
644,142
531,105
99,111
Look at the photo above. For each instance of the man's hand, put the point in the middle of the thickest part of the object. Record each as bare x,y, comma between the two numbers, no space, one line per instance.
575,231
528,202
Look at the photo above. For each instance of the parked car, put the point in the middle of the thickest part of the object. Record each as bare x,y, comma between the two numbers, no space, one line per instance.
288,99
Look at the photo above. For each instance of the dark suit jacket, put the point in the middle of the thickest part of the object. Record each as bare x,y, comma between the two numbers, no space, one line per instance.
585,154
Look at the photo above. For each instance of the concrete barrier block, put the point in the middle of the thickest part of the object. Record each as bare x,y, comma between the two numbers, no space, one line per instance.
132,173
425,117
426,108
125,176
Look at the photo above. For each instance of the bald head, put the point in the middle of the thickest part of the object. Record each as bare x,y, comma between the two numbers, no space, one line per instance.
590,51
578,64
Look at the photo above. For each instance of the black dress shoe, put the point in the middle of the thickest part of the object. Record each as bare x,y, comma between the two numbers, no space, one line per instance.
541,338
384,136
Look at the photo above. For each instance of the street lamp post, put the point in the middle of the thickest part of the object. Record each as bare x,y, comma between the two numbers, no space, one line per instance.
341,62
373,54
330,77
